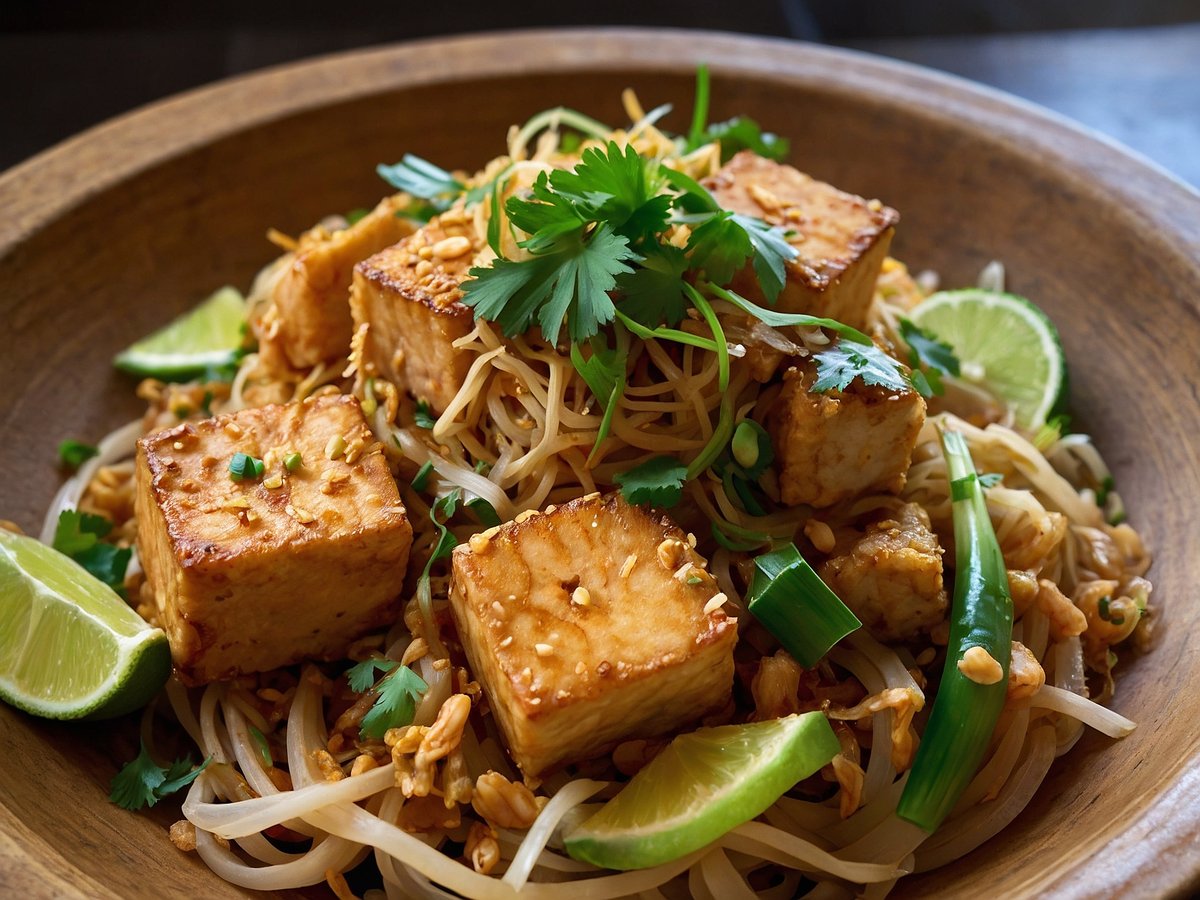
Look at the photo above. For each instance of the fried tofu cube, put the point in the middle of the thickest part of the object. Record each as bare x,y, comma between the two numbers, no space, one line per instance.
833,446
842,239
590,624
409,297
892,576
254,574
311,295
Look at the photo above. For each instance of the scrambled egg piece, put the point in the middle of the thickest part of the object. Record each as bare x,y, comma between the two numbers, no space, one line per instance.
254,574
842,239
892,576
311,295
408,296
589,624
836,445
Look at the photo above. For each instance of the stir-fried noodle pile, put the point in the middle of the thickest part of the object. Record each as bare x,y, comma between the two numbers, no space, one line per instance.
295,795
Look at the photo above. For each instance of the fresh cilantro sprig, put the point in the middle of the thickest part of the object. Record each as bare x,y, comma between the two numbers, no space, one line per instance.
396,703
78,535
361,676
143,782
433,185
843,361
658,481
930,359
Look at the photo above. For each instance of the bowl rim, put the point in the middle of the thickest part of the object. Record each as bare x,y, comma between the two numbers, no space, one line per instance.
47,186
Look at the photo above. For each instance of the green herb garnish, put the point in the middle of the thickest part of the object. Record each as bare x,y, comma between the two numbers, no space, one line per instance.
424,417
143,782
396,704
73,454
78,535
244,467
658,481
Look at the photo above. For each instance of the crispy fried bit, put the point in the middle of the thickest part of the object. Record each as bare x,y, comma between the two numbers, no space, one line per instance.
364,762
328,765
1066,619
502,803
776,686
648,668
892,576
905,702
183,835
1023,588
482,848
442,737
980,666
303,577
836,445
1025,673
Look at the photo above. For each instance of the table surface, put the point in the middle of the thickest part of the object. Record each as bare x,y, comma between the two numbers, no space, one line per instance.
1140,86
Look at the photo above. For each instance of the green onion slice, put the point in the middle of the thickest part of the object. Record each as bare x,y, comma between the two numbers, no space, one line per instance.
796,606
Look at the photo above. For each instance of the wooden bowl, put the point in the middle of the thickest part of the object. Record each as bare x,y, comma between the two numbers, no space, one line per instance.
110,234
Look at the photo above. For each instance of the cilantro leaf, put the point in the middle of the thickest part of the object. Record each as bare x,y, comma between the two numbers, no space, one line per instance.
621,189
929,357
73,454
743,133
719,246
990,479
78,535
658,481
843,361
423,180
143,782
654,293
604,373
484,512
570,281
424,417
361,676
396,704
771,252
440,513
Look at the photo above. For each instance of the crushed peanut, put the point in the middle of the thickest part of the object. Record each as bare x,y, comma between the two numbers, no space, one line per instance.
980,666
502,803
183,835
581,596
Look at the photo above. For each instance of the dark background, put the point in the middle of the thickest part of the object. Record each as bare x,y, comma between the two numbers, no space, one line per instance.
1129,69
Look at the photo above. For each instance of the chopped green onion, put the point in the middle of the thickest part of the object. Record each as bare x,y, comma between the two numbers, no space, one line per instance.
73,454
964,712
292,462
264,749
745,445
699,110
369,403
421,480
244,467
795,605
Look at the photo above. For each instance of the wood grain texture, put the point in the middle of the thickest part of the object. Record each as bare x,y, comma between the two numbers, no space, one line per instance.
113,232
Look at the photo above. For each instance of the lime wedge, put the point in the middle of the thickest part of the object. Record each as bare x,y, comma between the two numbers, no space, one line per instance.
1003,343
208,335
701,786
69,646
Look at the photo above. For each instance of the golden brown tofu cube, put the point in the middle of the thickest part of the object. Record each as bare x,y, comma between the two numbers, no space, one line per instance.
842,239
587,625
256,574
892,576
408,296
311,297
836,445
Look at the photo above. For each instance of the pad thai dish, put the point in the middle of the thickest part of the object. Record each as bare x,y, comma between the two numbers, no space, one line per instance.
616,520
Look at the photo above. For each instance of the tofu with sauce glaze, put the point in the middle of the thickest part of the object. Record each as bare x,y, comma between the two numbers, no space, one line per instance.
588,625
409,297
256,574
842,239
892,576
832,446
311,296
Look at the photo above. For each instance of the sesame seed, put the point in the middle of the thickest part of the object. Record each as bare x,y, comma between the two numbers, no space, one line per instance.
441,664
425,252
335,446
527,674
498,607
424,267
479,543
717,601
303,516
526,515
508,640
512,596
535,701
233,429
691,539
543,649
630,562
581,596
551,508
580,668
561,694
178,445
594,495
670,552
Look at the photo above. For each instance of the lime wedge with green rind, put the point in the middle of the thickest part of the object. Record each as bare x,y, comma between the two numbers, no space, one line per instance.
208,336
70,648
701,786
1005,344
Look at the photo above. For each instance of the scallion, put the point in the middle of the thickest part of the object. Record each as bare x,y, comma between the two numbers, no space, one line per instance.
965,712
795,605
